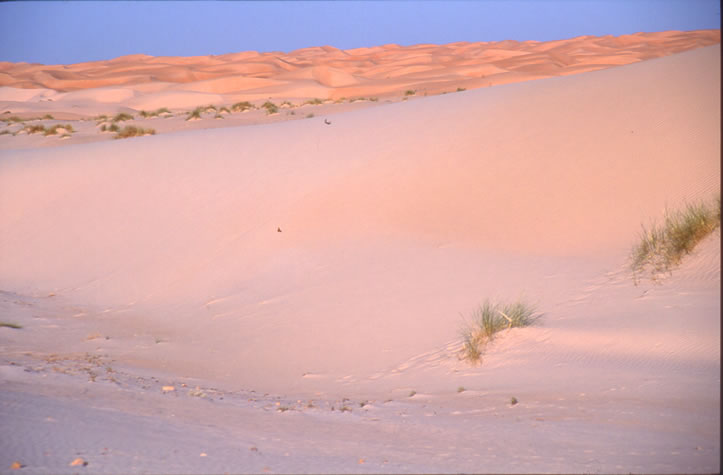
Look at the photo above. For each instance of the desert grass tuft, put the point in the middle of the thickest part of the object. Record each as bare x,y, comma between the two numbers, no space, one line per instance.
662,247
48,117
12,118
35,129
121,117
270,107
410,92
242,106
67,128
155,113
314,102
195,114
490,319
133,131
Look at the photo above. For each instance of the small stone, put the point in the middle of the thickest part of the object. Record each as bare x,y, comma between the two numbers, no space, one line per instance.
166,389
16,465
77,462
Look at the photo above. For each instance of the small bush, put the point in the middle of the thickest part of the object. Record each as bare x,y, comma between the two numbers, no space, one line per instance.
224,109
270,107
309,116
133,131
314,102
488,320
460,89
374,99
242,106
122,116
410,92
661,248
113,128
48,117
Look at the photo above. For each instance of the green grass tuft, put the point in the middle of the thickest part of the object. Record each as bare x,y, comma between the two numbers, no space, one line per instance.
133,131
662,247
490,319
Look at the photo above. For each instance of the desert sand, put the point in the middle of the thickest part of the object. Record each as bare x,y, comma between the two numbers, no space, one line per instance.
263,294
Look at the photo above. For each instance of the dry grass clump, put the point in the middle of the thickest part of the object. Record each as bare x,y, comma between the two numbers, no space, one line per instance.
410,92
12,118
490,319
314,102
64,128
121,117
35,129
133,131
155,113
270,107
662,247
242,106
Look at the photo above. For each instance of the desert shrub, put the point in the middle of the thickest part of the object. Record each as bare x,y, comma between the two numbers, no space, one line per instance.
314,102
133,131
410,92
490,319
12,118
48,117
662,247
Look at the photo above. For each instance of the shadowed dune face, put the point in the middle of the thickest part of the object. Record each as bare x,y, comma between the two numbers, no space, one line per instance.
332,73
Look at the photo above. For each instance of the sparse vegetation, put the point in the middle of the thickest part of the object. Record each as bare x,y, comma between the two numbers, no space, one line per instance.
242,106
412,393
314,102
155,113
195,114
460,389
66,128
133,131
5,132
35,129
122,117
270,107
487,321
11,325
662,247
224,109
48,117
309,116
12,118
218,116
460,89
410,92
374,99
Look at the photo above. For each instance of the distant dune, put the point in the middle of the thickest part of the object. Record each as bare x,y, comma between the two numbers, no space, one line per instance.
331,73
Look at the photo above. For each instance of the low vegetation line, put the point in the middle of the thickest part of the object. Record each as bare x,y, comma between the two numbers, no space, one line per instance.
490,319
662,246
133,131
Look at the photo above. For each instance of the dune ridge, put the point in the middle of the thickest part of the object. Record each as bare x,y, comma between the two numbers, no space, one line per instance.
382,71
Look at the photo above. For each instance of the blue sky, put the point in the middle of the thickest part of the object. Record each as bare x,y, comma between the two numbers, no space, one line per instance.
64,32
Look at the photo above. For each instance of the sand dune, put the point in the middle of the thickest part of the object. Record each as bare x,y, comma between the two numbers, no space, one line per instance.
361,72
161,259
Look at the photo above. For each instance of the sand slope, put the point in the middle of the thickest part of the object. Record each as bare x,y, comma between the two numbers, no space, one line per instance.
395,220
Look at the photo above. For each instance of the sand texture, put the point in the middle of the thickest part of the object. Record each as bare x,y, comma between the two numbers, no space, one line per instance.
273,295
